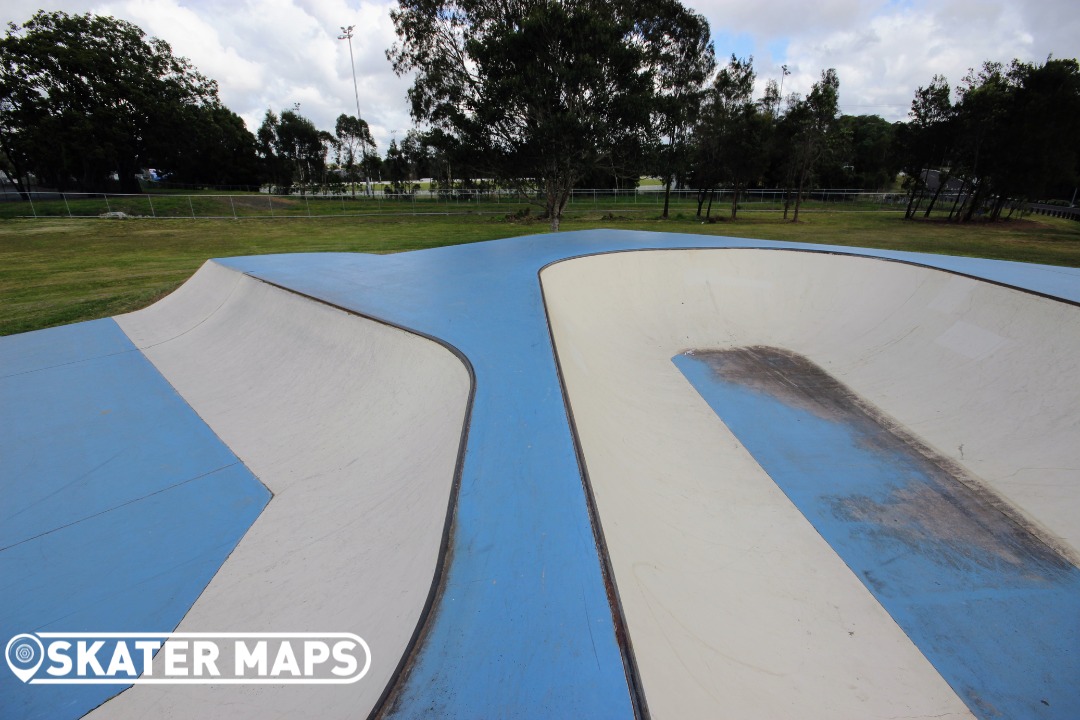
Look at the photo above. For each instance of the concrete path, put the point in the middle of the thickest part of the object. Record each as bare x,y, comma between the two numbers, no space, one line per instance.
724,600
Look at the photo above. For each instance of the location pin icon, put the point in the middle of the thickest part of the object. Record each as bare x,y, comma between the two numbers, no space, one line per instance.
24,654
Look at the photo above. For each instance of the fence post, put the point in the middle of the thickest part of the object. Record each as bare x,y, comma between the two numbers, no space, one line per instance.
108,207
30,197
270,198
153,213
191,206
233,206
64,195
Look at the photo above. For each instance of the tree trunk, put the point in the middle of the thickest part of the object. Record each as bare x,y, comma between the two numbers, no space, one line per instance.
999,205
933,200
667,197
125,173
17,177
700,200
918,201
916,192
708,212
735,201
910,212
956,202
557,198
798,196
973,202
20,187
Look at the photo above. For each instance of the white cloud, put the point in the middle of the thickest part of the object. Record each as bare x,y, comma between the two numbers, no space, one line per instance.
270,54
883,51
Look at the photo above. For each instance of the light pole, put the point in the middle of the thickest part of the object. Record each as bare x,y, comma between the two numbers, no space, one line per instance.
346,34
784,72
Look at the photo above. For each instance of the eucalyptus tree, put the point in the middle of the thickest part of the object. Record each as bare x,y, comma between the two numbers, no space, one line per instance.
731,135
684,60
815,129
928,138
212,147
541,91
396,167
87,97
293,149
865,156
1018,132
1044,129
353,139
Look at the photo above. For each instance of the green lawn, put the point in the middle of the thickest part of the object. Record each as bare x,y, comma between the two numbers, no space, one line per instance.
57,271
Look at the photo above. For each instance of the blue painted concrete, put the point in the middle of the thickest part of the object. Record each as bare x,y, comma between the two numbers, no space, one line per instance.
118,503
523,628
994,610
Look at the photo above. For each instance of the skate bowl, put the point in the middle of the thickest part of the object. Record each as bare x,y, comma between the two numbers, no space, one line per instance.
596,474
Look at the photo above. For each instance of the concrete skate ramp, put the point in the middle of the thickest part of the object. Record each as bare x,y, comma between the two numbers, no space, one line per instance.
733,589
355,426
734,602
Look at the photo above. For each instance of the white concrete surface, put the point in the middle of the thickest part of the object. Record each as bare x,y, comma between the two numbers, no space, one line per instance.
736,607
355,427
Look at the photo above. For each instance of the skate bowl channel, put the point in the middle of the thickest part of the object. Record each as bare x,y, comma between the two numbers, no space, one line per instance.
592,474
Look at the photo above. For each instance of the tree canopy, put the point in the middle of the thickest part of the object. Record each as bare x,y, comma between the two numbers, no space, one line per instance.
538,96
85,98
353,140
543,91
1011,135
293,150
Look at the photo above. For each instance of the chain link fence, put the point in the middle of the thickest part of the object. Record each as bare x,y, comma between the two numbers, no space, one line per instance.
647,200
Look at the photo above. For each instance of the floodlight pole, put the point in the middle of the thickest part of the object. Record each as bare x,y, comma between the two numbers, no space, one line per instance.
346,34
784,72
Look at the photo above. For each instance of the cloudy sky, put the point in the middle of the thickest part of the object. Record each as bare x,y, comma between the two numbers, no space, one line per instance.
274,53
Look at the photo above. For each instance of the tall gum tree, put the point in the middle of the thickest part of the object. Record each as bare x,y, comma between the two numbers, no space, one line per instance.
84,97
815,123
542,91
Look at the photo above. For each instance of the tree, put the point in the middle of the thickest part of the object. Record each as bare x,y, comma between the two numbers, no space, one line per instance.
418,155
1013,135
396,167
866,156
293,150
683,67
1046,120
353,140
814,129
215,148
83,97
1029,120
731,135
928,139
541,90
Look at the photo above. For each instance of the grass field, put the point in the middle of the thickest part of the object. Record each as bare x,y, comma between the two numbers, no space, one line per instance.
58,271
